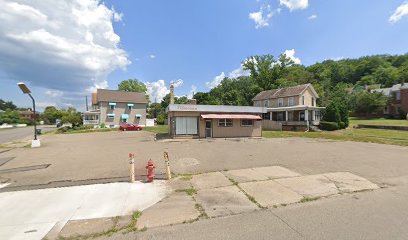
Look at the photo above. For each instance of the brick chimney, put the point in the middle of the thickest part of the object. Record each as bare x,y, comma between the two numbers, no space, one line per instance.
171,94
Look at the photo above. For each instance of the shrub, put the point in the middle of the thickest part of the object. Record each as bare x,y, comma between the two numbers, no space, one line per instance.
103,125
402,114
63,129
342,125
329,126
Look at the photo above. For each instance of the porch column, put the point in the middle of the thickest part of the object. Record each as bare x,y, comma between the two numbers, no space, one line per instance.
286,115
270,116
307,118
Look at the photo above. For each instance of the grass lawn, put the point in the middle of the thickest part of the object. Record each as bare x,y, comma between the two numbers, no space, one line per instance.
393,137
378,121
157,129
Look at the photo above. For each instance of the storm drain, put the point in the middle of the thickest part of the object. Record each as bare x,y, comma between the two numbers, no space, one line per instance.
23,169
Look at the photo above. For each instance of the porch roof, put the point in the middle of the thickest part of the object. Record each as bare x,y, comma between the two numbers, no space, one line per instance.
92,112
294,108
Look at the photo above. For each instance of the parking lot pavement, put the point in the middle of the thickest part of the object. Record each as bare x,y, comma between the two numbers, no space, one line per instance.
76,159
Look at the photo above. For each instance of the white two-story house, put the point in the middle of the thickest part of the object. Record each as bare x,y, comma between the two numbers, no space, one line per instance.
291,108
113,107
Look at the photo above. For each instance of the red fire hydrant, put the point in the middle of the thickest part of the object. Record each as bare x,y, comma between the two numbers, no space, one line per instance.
150,170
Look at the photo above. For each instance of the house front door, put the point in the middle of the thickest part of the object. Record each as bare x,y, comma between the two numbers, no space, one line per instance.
208,128
301,116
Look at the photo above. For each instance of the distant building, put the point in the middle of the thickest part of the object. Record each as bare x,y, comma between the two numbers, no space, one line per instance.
399,95
291,108
113,107
28,113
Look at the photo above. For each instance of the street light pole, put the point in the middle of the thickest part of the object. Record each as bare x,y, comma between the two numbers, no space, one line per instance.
26,90
34,116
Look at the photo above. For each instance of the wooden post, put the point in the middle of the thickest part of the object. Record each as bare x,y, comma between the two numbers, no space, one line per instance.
167,161
132,167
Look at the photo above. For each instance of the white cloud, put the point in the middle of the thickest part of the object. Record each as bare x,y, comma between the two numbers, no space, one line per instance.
45,104
295,4
216,81
238,72
157,90
54,93
192,91
177,83
291,54
152,56
311,17
66,46
263,16
233,74
400,12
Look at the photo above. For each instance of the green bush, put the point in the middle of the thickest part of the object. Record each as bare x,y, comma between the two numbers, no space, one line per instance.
342,125
329,126
103,125
402,114
63,129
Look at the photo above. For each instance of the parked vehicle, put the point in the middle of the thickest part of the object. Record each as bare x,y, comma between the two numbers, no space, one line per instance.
130,127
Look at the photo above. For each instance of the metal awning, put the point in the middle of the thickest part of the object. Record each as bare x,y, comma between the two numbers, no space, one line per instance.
112,104
230,116
130,104
110,114
138,115
125,116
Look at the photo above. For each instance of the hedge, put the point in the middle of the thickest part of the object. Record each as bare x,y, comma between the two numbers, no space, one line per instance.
329,126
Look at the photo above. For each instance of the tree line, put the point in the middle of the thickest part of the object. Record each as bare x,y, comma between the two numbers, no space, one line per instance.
333,81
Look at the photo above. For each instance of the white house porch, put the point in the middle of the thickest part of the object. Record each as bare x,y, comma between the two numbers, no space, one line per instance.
278,118
91,118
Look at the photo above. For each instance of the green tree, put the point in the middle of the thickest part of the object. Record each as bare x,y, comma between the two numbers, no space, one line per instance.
7,105
265,70
10,117
339,101
72,116
369,102
132,85
51,114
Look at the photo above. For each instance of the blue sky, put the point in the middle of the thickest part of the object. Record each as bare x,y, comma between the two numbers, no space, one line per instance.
192,42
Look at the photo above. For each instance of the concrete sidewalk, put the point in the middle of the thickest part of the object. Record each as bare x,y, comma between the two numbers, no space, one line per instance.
32,214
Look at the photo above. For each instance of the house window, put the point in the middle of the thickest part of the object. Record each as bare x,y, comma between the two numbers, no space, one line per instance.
303,100
112,107
247,122
313,101
111,116
280,102
291,101
398,96
266,103
225,122
129,108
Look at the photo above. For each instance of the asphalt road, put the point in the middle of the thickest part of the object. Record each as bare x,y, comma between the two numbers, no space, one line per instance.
18,134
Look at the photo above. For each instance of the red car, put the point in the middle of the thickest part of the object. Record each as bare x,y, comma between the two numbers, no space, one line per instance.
130,127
